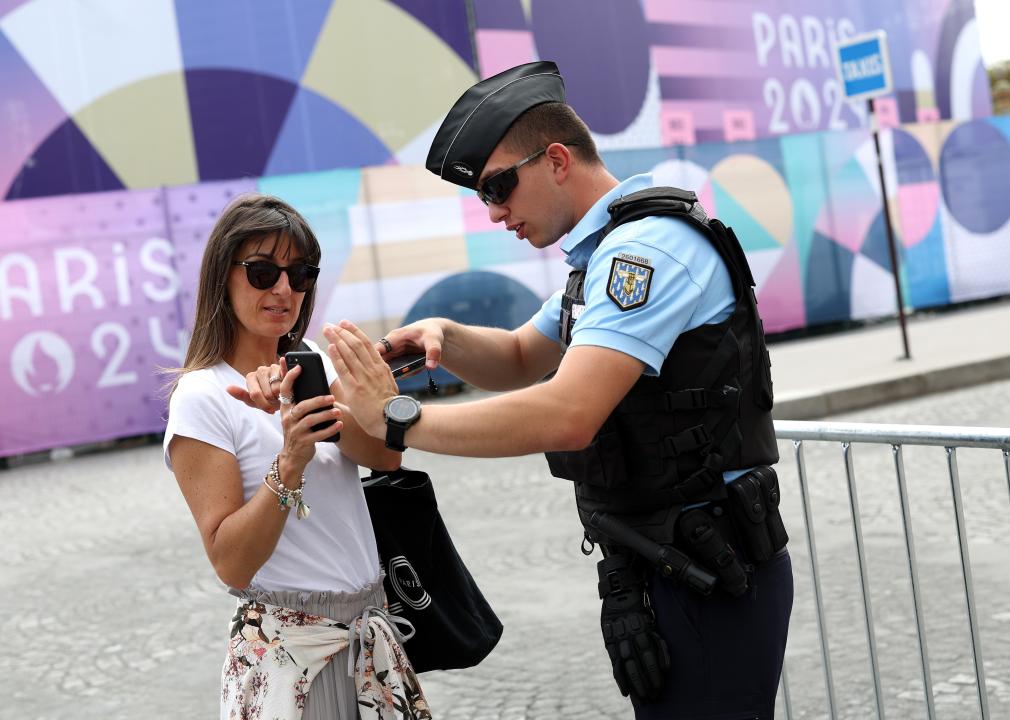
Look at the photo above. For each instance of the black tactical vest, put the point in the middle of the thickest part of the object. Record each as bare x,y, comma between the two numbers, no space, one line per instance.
667,442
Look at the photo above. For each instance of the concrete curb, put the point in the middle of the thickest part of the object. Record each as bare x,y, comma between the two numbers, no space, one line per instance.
831,401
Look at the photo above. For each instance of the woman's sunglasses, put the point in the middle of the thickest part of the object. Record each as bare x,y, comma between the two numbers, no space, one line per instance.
263,274
497,188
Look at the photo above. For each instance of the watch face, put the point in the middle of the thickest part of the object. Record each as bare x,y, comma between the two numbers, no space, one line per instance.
402,409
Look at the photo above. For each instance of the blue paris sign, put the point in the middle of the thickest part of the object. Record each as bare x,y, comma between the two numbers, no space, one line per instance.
864,66
864,71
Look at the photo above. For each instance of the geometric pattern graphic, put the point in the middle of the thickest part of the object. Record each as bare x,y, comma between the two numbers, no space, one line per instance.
808,212
736,70
117,94
236,117
172,92
128,126
614,29
397,95
974,161
66,163
111,276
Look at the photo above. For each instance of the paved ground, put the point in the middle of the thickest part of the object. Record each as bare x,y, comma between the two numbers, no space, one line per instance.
845,371
111,609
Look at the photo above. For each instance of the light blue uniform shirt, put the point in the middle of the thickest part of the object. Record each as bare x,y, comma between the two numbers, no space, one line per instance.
689,284
689,287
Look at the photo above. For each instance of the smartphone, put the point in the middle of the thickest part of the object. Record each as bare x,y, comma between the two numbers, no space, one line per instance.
311,382
406,365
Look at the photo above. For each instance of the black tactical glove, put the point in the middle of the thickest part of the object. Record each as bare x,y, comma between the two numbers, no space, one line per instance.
638,654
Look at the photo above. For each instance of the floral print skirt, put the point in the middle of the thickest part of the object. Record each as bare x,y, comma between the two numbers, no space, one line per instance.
333,694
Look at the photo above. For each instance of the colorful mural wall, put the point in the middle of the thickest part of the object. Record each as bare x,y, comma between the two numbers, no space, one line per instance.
726,70
113,171
114,94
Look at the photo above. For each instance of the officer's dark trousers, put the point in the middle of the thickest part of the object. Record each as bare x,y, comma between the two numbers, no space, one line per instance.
726,652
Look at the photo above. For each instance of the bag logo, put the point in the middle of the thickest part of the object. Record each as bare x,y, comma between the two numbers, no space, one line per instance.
462,169
407,584
629,283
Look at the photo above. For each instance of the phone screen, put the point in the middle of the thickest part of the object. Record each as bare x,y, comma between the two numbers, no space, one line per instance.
311,382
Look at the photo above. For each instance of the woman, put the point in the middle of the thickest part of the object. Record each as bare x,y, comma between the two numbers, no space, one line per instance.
307,583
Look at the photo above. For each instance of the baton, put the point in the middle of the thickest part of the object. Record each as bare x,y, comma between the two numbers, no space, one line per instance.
671,562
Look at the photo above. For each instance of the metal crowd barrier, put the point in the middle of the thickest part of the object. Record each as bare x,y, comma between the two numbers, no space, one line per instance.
897,436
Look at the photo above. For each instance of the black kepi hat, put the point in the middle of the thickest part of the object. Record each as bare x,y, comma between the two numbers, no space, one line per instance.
483,114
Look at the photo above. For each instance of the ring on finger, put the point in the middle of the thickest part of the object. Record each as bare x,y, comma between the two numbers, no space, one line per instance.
386,344
274,378
285,399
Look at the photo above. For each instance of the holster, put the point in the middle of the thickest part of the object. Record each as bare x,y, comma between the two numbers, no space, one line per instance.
710,546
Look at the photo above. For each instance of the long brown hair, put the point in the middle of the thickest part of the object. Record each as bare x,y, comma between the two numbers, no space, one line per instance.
248,217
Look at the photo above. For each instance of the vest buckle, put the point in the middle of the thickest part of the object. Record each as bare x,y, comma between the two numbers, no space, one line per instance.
699,398
694,437
687,399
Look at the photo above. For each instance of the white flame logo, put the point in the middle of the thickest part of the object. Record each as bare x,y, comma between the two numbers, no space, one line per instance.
42,363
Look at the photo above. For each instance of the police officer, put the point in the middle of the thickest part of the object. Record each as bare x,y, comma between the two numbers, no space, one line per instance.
659,409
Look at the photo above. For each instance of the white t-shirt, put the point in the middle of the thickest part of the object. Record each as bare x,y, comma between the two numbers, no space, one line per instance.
334,547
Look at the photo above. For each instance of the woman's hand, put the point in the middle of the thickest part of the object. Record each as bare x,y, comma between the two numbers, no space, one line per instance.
297,420
365,379
424,336
266,389
262,387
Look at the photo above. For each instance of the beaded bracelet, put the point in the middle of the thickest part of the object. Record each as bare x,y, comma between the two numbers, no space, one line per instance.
286,497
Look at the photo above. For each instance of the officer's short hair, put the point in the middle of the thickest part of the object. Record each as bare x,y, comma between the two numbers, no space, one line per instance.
548,123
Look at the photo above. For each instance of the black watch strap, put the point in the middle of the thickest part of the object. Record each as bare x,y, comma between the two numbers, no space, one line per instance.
394,436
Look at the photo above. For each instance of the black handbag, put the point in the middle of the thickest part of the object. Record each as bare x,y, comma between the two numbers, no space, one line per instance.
426,580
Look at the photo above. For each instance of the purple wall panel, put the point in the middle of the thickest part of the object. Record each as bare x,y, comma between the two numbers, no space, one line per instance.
192,212
88,306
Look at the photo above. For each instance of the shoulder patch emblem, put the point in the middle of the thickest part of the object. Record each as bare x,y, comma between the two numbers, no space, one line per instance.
629,283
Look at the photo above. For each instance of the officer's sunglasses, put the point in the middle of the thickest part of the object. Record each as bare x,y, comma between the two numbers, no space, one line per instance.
263,274
497,188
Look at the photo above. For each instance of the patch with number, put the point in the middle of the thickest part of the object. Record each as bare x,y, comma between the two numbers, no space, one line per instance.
629,282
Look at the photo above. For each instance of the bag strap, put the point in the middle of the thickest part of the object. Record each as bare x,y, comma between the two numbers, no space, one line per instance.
402,477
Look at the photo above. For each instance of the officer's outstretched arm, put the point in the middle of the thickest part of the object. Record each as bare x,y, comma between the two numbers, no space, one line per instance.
487,358
563,413
495,359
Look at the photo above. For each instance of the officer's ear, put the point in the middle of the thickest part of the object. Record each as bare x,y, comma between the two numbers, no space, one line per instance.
560,158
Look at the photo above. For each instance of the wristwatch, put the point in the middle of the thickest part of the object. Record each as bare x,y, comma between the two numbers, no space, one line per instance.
401,412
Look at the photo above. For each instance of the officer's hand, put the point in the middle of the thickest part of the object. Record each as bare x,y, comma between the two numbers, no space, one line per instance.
638,654
425,336
365,379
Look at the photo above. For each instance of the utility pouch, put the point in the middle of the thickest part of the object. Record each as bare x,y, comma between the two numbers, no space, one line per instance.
754,504
709,547
750,516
